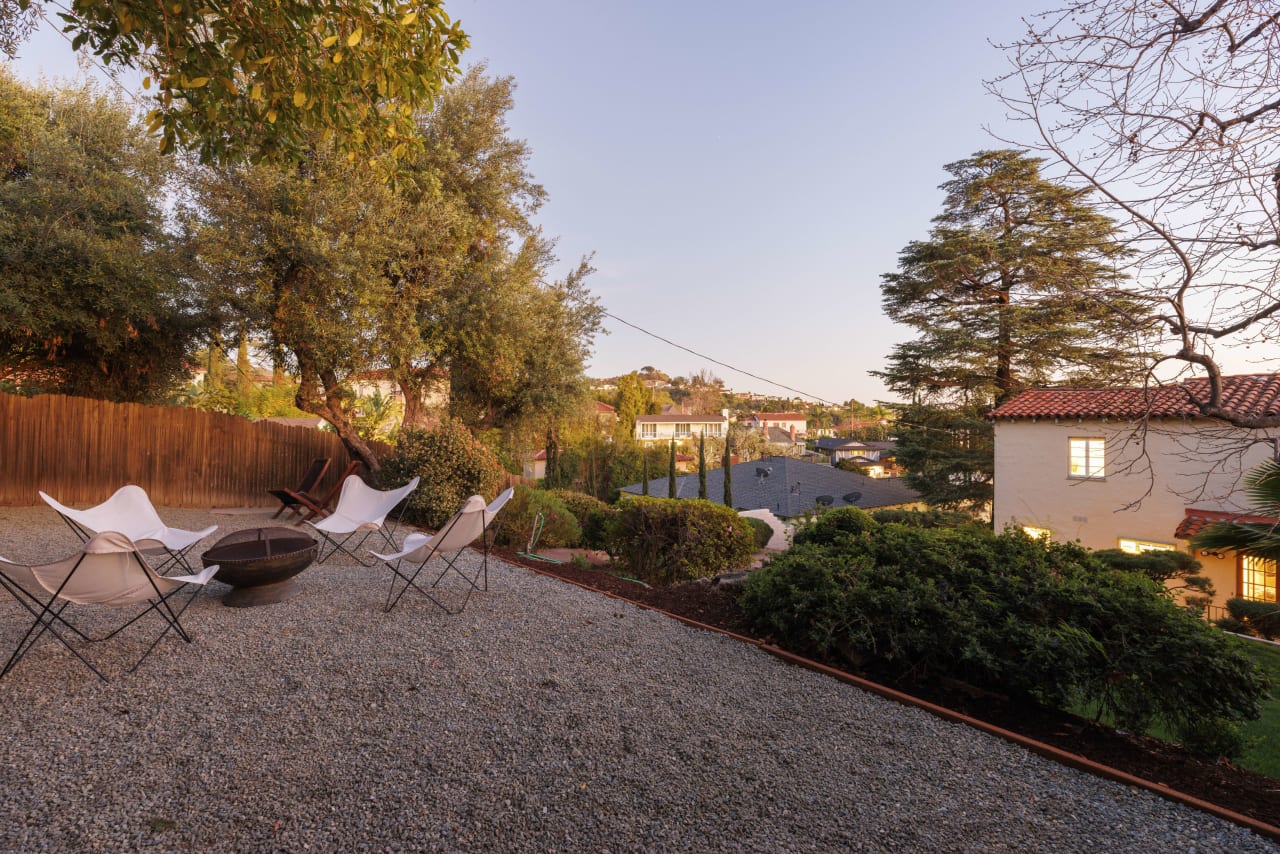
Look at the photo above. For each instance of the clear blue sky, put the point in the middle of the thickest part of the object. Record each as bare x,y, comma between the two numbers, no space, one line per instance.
744,173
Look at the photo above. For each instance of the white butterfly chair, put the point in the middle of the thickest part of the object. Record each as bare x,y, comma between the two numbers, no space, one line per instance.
474,520
108,570
361,512
130,512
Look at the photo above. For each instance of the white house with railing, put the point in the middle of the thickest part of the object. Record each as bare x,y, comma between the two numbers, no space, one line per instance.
681,427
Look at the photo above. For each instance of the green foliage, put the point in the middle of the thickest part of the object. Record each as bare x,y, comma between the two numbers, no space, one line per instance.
1017,285
702,466
228,83
671,472
452,464
924,518
592,514
559,525
631,403
665,541
91,301
1260,539
1175,571
1257,618
727,464
1041,622
763,531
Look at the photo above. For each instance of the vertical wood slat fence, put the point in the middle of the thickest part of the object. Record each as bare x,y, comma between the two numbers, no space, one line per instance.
80,451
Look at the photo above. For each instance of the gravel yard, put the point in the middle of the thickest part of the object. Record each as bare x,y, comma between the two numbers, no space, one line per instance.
543,717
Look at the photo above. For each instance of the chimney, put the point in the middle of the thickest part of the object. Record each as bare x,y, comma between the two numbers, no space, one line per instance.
793,434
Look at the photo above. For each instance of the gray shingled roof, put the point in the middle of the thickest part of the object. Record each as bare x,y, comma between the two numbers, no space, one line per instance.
790,488
833,443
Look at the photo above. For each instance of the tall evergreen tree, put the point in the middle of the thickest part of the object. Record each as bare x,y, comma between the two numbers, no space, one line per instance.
644,470
702,466
1017,286
552,478
728,474
671,471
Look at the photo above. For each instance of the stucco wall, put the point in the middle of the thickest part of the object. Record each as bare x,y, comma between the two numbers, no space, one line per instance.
1151,478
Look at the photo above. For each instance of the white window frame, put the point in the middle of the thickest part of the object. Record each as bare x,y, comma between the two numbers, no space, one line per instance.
683,431
1086,458
648,431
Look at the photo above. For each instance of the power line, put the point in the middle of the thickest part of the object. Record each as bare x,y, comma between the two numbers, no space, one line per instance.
720,363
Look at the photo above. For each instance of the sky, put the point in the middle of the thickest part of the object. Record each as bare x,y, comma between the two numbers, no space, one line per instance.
742,174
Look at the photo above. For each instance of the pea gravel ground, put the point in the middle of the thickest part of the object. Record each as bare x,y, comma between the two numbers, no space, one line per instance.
543,718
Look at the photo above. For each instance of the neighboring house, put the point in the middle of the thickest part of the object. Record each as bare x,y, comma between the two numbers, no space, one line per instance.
785,421
1135,469
606,416
535,466
838,449
681,427
791,442
434,396
789,487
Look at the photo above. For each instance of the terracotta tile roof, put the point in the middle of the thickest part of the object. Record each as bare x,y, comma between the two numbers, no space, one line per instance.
1196,521
1254,395
780,416
603,408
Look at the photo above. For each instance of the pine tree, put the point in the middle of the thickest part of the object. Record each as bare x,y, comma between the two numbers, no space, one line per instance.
728,475
1017,286
671,471
702,466
644,470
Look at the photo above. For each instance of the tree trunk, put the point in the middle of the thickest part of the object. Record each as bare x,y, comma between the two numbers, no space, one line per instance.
320,394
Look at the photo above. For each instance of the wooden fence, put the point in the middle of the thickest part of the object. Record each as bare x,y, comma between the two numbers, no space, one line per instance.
80,451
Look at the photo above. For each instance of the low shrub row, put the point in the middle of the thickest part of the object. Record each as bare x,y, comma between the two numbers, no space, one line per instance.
668,541
1040,622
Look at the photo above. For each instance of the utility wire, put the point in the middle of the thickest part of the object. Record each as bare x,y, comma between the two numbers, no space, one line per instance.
720,363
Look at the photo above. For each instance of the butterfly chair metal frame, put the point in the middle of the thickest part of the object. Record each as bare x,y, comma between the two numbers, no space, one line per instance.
362,511
129,511
106,557
474,520
291,499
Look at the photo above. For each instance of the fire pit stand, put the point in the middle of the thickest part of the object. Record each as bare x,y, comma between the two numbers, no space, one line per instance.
260,564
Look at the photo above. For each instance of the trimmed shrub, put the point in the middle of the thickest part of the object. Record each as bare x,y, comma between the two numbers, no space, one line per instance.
762,530
453,465
667,541
1259,618
1043,623
559,525
592,515
924,518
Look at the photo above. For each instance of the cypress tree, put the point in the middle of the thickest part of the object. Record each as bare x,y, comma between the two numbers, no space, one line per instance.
644,470
671,471
702,466
728,476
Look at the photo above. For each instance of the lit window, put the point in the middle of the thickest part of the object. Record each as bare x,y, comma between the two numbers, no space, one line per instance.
1137,547
648,431
1087,457
1037,533
1257,578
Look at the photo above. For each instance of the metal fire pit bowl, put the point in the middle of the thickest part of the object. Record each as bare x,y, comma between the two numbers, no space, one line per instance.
260,563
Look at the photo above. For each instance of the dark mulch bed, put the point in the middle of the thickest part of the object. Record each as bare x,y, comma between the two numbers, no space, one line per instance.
1221,783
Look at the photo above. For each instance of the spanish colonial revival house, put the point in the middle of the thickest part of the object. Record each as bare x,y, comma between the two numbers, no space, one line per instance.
788,422
788,487
1135,469
681,427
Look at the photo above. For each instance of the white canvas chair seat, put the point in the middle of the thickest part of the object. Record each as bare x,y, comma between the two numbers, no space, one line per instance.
108,570
475,520
361,512
130,512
